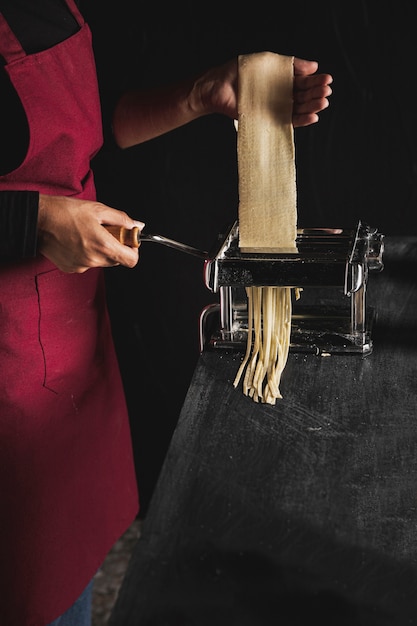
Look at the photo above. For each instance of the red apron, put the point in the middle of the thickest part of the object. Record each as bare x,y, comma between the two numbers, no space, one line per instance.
67,480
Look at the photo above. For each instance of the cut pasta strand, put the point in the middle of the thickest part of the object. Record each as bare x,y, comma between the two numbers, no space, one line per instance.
269,332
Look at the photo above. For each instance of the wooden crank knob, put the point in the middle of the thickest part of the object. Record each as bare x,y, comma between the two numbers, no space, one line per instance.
126,236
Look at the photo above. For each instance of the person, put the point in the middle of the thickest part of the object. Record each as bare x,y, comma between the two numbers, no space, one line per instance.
67,482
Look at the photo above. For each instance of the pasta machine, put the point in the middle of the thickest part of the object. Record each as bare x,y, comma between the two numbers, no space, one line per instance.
330,268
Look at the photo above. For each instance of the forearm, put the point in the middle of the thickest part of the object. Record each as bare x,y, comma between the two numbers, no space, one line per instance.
143,115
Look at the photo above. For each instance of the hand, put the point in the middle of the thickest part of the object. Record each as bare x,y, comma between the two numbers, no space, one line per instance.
71,234
311,92
216,91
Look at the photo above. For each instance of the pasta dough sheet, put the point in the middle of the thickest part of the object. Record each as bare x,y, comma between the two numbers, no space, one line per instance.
266,154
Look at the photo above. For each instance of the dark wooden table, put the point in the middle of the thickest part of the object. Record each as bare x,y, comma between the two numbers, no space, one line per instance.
304,511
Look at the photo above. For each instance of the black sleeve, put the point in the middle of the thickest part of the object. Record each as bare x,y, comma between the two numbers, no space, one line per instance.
38,25
18,224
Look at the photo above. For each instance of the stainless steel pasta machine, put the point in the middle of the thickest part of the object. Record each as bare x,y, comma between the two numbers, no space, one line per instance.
331,268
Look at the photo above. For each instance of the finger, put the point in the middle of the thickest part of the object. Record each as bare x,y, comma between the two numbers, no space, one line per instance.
299,121
304,67
316,93
128,258
115,217
312,106
304,83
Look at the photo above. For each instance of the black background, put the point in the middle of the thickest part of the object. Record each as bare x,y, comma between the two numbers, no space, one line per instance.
358,162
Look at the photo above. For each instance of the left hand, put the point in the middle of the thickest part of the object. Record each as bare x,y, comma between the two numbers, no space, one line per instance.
311,92
216,91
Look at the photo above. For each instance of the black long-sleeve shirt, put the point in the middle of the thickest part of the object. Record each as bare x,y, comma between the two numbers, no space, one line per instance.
37,25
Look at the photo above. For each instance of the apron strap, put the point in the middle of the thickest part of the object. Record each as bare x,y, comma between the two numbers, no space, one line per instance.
10,48
75,11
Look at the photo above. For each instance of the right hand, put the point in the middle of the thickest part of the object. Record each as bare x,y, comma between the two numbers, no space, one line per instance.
71,234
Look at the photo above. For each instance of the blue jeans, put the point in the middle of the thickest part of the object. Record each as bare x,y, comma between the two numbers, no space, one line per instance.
79,614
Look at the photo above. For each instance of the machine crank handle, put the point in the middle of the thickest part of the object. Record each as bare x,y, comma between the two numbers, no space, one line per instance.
133,238
126,236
